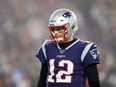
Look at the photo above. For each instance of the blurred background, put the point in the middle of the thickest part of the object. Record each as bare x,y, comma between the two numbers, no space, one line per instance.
23,27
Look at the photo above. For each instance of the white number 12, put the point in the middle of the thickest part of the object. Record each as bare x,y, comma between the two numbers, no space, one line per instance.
67,73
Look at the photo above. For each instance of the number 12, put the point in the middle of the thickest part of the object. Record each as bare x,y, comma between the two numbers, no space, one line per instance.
67,73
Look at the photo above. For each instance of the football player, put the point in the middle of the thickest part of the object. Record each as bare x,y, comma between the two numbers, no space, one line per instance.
67,61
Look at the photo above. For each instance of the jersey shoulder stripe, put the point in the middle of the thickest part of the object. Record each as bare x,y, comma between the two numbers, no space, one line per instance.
85,51
43,47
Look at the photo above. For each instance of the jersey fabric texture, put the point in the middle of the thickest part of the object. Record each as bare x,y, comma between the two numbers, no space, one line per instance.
66,66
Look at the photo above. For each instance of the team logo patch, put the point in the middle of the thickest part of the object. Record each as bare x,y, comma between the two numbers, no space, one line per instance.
94,53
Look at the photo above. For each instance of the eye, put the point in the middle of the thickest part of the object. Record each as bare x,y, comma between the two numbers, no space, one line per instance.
59,29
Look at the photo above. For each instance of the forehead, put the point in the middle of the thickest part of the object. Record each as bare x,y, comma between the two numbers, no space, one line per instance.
58,28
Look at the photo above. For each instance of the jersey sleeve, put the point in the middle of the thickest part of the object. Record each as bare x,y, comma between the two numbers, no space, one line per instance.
90,55
41,53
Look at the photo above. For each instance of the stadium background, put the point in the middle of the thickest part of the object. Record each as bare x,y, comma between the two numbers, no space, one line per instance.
23,26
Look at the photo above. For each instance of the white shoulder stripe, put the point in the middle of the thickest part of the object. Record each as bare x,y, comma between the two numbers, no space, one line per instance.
86,49
43,48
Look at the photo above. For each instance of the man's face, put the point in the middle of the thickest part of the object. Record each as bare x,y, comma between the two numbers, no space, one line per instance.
58,33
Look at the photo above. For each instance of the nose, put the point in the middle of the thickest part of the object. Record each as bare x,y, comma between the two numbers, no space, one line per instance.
56,32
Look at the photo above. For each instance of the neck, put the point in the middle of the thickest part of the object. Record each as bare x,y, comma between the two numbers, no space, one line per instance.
64,45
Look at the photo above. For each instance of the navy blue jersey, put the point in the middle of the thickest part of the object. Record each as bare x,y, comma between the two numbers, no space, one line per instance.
66,66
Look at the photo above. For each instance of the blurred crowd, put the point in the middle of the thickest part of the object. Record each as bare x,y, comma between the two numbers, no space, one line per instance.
23,26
